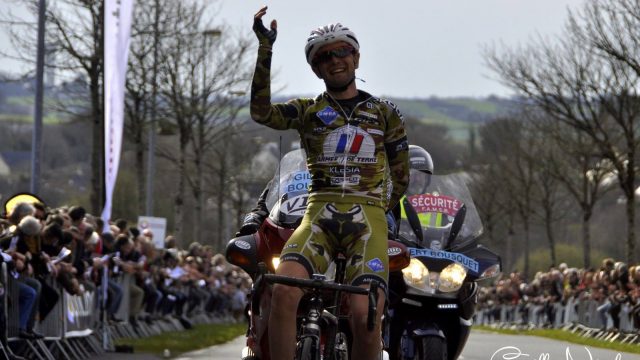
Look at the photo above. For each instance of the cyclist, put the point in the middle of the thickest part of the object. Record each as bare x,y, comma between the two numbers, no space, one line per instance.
355,143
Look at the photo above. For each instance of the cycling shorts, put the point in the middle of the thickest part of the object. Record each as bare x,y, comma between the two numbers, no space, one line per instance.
359,231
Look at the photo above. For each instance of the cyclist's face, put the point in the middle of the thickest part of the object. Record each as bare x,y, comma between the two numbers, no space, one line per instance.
336,64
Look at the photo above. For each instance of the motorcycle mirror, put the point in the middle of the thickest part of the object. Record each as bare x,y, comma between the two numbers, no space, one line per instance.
458,220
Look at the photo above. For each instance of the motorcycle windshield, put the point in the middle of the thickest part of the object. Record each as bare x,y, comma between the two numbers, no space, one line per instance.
289,189
430,207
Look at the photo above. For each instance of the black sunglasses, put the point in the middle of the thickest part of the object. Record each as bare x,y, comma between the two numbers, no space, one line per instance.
325,56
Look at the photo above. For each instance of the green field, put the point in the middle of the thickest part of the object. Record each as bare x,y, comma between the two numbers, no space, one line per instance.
49,119
476,105
178,342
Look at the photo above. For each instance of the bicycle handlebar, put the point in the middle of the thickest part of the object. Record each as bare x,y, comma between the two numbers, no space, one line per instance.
314,284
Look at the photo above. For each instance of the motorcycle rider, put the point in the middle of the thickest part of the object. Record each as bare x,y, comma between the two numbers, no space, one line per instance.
354,143
413,215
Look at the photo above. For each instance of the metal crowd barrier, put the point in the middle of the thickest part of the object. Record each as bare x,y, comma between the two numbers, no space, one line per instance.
66,328
586,314
124,328
34,348
81,315
3,336
124,280
76,328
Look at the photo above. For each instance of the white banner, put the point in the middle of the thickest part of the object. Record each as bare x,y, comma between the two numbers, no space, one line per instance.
117,32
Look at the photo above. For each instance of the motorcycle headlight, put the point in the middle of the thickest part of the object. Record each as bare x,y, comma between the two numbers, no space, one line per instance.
451,277
416,275
275,261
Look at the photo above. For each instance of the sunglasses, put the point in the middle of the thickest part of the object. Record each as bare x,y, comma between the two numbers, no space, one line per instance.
325,56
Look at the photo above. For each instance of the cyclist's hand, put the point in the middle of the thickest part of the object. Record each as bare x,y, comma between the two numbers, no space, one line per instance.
265,37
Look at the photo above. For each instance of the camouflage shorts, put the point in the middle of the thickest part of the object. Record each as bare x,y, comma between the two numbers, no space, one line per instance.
359,231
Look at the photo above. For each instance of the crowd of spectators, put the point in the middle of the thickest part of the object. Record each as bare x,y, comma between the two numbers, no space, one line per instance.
43,246
614,287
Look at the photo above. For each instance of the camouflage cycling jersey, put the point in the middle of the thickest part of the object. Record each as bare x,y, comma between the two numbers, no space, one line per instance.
347,154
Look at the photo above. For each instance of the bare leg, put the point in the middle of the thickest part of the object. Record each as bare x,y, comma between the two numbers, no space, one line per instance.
367,344
284,306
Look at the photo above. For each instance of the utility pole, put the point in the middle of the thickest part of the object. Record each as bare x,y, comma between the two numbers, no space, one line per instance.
151,158
36,143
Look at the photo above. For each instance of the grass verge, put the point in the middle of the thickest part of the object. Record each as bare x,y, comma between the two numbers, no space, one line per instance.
567,336
178,342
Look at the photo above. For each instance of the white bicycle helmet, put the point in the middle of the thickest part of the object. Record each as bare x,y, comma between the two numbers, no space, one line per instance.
326,35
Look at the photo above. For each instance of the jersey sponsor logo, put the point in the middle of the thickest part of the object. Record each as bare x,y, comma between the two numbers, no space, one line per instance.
463,260
367,115
349,180
403,145
319,129
344,170
366,121
327,115
395,108
393,251
375,265
348,143
429,203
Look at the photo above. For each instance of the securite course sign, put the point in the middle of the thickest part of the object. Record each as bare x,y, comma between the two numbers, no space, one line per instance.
428,203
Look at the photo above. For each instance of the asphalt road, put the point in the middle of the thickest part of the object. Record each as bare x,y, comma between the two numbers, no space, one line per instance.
481,346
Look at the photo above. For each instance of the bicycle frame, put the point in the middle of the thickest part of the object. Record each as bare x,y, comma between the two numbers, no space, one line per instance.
320,321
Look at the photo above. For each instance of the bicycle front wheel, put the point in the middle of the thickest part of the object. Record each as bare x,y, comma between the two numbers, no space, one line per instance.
308,349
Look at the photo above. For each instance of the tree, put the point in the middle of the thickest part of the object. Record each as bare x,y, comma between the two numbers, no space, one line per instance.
198,93
548,189
503,143
576,82
75,29
140,85
489,204
578,168
215,120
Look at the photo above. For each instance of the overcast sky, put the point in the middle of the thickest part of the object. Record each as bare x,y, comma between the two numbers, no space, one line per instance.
409,48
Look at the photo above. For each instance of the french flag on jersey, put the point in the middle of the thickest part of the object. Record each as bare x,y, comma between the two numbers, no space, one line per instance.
343,142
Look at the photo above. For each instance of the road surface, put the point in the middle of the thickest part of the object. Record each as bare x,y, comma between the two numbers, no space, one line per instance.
481,346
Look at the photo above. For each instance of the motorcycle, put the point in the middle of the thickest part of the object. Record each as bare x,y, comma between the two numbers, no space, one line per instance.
432,301
323,329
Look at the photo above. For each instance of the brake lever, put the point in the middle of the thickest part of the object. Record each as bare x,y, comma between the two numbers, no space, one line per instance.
373,304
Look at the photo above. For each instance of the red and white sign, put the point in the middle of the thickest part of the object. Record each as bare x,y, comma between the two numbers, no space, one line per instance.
428,203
